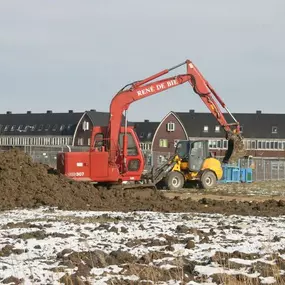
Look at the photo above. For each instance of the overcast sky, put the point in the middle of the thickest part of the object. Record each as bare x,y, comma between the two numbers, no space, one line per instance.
63,55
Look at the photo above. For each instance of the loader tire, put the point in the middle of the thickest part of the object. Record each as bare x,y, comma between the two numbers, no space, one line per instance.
208,180
174,180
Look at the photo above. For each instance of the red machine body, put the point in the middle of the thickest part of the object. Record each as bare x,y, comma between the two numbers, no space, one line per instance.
115,154
95,164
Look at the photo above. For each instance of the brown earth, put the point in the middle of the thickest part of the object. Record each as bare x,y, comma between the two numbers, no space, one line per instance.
25,184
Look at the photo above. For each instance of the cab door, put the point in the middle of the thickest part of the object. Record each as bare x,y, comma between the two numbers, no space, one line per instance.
199,151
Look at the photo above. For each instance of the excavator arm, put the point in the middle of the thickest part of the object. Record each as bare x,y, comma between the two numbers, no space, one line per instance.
144,88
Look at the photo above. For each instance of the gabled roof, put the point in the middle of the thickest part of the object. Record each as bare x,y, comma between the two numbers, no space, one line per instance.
98,118
145,130
101,118
39,123
254,125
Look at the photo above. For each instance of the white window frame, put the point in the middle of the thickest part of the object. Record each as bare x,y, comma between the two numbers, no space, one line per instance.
274,130
217,129
206,129
170,127
85,126
176,141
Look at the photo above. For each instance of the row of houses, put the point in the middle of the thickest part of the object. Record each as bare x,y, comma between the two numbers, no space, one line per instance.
264,133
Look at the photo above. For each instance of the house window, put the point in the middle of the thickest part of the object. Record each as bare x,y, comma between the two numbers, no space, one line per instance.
274,130
219,144
163,143
88,142
149,136
40,128
175,142
47,127
85,126
54,128
217,129
241,128
280,145
13,128
276,145
206,129
170,127
225,144
141,135
80,141
62,128
20,127
6,128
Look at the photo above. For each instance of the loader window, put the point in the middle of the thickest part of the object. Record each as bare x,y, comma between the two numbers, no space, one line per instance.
132,148
182,149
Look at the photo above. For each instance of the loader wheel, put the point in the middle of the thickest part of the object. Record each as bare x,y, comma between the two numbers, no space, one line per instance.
208,180
174,180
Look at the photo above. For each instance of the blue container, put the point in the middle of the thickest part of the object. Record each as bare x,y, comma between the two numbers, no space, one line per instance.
236,174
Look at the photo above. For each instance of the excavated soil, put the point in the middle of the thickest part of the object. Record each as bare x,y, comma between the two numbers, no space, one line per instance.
25,184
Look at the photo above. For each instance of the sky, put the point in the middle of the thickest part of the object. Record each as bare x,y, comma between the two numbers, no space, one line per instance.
76,55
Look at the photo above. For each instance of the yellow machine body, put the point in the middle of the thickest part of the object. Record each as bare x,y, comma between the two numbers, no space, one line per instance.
192,161
210,163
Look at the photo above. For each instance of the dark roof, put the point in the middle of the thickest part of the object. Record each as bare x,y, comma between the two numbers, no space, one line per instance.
101,118
145,130
254,125
39,123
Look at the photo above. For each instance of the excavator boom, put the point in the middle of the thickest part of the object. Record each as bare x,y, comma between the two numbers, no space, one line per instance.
144,88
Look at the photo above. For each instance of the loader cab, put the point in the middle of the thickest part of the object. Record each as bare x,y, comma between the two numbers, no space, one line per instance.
193,152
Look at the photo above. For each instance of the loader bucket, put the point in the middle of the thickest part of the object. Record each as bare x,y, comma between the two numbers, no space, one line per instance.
235,151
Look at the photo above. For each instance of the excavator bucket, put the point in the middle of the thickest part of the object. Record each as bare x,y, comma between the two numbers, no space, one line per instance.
236,149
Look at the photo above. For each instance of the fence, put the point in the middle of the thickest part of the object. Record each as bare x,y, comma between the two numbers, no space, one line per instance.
263,168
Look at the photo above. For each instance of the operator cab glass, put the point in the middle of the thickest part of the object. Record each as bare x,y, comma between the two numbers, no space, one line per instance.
194,152
182,149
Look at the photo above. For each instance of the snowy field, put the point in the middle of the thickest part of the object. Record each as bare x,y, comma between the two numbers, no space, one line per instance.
49,246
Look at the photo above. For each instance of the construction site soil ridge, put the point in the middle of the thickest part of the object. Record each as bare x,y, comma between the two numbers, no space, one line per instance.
27,184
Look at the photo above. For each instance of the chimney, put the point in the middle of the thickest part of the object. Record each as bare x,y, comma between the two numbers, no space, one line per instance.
8,112
92,110
29,112
191,111
49,111
146,121
258,112
70,111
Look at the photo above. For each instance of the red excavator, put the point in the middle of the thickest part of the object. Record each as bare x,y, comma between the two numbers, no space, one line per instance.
115,156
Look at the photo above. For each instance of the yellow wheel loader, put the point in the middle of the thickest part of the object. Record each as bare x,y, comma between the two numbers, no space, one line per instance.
191,161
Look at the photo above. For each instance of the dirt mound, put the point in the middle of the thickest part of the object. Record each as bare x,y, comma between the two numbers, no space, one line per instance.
24,183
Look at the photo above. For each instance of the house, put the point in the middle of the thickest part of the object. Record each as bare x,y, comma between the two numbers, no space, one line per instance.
37,129
145,131
49,129
264,134
90,119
